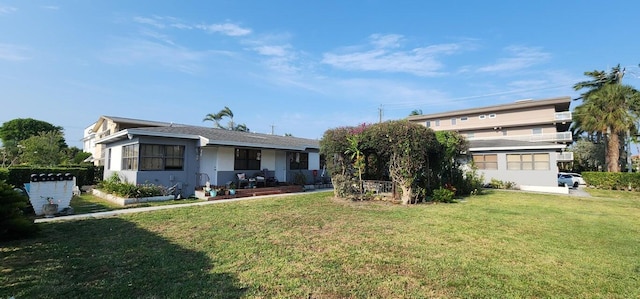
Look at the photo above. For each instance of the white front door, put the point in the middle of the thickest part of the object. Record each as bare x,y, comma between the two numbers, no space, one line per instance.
208,165
281,166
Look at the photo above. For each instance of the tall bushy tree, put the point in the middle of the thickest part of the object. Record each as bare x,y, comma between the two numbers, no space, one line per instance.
15,131
609,108
43,149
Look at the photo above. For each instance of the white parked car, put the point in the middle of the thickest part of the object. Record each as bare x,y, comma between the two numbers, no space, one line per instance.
570,179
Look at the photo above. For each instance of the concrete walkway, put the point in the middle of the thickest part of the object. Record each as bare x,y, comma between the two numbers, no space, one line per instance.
579,192
165,207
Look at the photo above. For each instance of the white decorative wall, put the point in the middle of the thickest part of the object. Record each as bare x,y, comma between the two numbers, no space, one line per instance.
61,192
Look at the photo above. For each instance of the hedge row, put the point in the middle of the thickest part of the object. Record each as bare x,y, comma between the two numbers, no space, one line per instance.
613,180
85,174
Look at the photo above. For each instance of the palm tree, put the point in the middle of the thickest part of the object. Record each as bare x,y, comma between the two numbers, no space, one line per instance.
226,112
610,109
217,117
213,117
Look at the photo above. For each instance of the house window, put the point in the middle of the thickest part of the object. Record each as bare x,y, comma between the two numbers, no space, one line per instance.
482,116
492,115
464,118
536,131
247,159
486,161
453,121
129,157
298,161
528,161
437,122
471,135
161,157
428,124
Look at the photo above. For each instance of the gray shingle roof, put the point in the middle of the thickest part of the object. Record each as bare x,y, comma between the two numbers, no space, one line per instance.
213,136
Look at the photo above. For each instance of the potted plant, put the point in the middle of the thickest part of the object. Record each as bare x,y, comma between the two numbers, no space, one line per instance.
232,188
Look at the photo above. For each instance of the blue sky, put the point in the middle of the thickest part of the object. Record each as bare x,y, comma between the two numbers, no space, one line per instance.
299,67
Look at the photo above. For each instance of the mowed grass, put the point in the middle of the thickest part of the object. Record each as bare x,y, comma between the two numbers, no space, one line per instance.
499,245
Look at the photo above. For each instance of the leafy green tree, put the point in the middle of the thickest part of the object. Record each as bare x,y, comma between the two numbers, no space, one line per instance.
612,110
587,155
416,112
17,130
75,155
20,129
43,149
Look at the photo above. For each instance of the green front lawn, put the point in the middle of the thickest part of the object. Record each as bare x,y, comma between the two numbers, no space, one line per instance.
500,245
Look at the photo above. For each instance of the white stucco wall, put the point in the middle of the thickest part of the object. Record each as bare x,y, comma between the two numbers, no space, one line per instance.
225,158
268,159
314,161
546,177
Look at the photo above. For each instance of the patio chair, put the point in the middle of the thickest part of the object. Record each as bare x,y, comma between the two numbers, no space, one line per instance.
242,179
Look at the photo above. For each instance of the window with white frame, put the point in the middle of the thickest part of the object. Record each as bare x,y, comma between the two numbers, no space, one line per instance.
536,131
464,118
428,124
488,161
482,116
528,162
437,122
453,121
130,157
492,115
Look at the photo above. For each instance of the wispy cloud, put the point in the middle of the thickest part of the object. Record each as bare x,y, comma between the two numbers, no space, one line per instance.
50,7
13,53
386,57
5,10
521,58
155,22
135,51
225,28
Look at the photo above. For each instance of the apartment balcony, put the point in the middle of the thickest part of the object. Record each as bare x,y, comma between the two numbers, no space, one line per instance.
549,137
564,157
564,116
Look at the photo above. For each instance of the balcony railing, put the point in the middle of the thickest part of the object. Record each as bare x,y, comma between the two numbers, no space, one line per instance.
552,137
563,116
564,157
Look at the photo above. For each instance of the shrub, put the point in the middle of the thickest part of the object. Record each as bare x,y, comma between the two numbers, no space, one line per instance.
613,180
342,186
114,185
14,224
444,195
498,184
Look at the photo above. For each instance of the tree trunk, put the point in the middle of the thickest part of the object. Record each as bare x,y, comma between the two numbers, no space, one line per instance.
407,194
613,153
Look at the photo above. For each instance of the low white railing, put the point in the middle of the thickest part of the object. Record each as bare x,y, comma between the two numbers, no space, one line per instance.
563,116
564,157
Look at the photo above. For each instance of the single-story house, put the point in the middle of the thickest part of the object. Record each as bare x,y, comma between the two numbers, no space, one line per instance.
521,162
191,156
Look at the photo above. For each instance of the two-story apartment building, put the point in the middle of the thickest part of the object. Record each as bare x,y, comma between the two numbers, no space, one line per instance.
520,142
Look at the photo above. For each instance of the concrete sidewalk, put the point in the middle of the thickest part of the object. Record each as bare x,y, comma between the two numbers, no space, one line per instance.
165,207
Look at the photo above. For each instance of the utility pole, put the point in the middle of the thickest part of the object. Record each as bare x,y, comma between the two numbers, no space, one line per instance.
272,127
380,112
